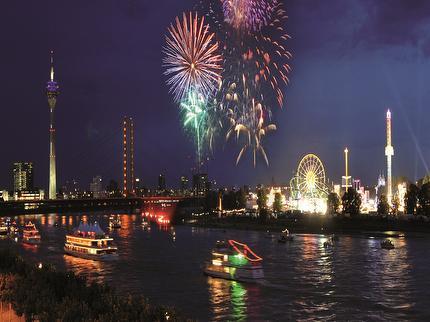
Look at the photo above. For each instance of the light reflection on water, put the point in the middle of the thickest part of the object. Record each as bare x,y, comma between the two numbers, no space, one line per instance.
354,279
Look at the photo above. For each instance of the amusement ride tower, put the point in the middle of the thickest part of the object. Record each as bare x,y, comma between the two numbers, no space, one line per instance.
389,152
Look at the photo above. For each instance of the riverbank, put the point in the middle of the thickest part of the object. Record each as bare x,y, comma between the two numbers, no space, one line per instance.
316,224
40,292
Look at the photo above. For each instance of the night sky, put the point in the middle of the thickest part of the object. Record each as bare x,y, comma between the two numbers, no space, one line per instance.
352,60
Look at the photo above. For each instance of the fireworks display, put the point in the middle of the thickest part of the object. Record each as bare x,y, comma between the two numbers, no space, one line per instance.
246,82
191,57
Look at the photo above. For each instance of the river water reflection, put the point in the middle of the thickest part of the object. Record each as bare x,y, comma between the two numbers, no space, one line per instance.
354,280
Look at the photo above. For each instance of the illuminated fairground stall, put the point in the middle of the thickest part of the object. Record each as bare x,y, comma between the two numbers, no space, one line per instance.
309,189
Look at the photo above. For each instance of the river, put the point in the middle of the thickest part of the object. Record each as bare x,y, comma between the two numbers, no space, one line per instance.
354,280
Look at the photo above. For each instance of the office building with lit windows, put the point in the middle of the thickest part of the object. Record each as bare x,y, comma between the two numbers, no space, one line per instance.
23,176
128,157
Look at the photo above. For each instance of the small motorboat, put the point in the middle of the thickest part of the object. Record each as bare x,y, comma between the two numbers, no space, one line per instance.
285,236
114,222
387,244
233,260
328,244
334,238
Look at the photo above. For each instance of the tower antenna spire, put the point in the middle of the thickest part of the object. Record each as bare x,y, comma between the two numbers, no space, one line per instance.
52,65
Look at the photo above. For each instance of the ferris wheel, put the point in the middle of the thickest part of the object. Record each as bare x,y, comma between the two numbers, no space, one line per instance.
310,179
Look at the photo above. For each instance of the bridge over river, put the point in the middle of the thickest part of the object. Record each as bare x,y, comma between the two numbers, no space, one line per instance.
72,205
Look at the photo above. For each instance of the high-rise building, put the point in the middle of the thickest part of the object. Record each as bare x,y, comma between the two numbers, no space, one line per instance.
96,187
184,184
161,182
23,179
52,91
389,152
128,156
200,184
71,189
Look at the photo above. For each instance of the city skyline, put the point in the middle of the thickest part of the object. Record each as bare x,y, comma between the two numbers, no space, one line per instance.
356,83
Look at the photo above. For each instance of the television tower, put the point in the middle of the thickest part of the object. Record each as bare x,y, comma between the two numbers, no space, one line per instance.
52,93
389,152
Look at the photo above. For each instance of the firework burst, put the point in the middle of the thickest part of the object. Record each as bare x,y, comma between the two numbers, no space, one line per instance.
248,15
191,58
253,130
194,112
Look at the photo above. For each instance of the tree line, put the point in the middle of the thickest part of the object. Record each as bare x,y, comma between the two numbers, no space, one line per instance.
417,202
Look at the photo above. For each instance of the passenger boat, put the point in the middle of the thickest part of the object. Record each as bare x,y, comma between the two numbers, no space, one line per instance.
144,223
114,222
30,234
387,244
285,236
234,261
13,229
90,241
3,228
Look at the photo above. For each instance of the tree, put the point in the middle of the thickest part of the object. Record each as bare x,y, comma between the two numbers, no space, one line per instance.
395,205
351,202
333,203
262,204
424,199
211,200
277,202
229,200
261,199
241,199
383,206
411,199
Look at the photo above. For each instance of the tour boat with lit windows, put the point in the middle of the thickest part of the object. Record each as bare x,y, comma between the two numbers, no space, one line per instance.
30,234
234,261
89,241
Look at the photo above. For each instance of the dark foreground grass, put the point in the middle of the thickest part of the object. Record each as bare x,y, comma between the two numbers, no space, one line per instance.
44,294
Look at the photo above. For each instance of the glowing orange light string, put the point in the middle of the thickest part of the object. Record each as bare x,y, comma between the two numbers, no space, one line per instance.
256,258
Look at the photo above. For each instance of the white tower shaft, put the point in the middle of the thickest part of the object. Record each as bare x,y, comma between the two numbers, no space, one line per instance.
389,152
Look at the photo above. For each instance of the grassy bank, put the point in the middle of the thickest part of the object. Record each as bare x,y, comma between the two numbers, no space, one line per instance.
42,293
315,224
